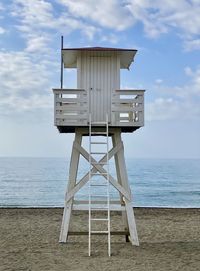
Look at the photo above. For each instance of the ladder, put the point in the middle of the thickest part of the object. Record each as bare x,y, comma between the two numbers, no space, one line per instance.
102,183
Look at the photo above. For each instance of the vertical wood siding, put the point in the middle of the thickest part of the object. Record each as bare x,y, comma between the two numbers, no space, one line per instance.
99,76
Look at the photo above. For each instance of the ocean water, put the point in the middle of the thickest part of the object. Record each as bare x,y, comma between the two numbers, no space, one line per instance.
41,182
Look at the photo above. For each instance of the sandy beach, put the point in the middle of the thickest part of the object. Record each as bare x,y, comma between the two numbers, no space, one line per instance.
169,240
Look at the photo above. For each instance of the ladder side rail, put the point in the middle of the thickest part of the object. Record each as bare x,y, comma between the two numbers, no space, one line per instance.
108,187
90,167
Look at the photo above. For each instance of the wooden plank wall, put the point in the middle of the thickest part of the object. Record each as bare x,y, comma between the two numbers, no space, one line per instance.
99,75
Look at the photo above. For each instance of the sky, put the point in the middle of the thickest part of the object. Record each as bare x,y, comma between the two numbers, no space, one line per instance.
166,34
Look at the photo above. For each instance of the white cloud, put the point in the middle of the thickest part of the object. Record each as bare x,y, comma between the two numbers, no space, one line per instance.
188,71
2,8
191,45
37,43
34,14
110,14
158,17
162,109
178,102
111,38
38,23
24,84
158,81
190,90
172,109
2,30
90,31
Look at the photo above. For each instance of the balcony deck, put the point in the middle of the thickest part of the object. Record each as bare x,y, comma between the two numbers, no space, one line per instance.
71,110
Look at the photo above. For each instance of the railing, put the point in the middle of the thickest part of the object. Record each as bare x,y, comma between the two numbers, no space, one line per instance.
128,108
70,107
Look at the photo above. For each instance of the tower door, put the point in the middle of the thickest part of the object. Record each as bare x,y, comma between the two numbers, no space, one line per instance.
101,85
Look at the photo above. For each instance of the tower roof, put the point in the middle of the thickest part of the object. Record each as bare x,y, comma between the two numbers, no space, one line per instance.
70,55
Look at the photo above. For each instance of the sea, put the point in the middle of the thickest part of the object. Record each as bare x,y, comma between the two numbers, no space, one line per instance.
42,182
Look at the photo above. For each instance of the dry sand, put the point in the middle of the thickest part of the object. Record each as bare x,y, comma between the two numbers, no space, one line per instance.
169,240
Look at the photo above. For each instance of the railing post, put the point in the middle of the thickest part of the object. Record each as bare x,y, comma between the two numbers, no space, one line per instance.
129,110
70,110
56,96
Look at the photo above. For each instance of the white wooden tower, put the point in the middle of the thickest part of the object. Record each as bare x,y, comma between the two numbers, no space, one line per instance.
98,109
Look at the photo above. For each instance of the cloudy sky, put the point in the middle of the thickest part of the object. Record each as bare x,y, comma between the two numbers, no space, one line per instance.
167,36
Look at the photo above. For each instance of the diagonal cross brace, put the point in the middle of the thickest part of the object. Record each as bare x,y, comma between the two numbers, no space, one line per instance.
97,167
84,180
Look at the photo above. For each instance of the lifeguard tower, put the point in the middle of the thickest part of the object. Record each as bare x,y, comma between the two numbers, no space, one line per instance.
98,109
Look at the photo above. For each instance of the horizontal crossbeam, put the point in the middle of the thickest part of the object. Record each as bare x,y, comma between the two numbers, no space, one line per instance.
99,233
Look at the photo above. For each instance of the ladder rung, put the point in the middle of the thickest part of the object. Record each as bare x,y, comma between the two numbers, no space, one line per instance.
99,184
98,153
106,173
95,142
99,231
99,219
100,163
98,195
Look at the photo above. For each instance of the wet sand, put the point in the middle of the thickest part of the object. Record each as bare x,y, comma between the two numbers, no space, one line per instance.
169,240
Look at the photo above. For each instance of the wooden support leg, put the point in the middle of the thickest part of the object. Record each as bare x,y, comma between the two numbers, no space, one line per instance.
124,216
71,184
124,180
131,222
